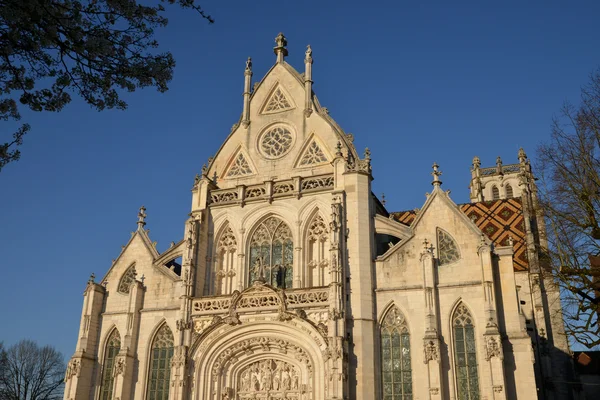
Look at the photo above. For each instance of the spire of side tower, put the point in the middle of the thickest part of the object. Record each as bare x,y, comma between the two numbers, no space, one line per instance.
308,81
247,84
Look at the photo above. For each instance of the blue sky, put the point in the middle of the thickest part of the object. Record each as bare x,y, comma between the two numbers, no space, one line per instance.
416,82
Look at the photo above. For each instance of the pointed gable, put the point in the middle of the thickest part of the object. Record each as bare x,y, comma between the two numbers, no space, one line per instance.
239,166
278,101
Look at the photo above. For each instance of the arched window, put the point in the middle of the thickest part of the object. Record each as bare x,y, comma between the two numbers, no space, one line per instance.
113,346
272,253
495,193
316,252
126,280
225,263
160,364
509,191
396,370
465,354
447,248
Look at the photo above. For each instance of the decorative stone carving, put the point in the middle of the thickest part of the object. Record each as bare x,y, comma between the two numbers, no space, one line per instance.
431,350
73,369
270,379
127,279
282,188
498,388
276,142
493,347
447,248
239,167
277,102
119,367
255,192
312,155
223,196
323,182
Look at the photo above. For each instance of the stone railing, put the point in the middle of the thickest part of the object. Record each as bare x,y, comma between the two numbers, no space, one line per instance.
271,190
506,169
262,300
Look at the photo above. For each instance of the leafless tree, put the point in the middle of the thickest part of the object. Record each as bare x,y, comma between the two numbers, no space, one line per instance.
31,372
570,201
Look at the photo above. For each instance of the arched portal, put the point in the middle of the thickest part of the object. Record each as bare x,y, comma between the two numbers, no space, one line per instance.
262,360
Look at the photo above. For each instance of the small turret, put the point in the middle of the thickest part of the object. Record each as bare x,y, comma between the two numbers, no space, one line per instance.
247,85
308,81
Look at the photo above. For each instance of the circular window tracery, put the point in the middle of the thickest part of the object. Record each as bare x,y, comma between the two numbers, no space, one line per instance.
276,141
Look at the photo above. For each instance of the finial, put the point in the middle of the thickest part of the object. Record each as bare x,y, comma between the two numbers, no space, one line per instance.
338,149
383,199
367,154
499,165
249,64
308,54
142,279
436,175
92,277
511,241
196,179
522,156
280,49
204,169
142,217
426,244
476,162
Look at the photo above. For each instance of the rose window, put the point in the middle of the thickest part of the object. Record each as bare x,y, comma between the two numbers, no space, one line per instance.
276,142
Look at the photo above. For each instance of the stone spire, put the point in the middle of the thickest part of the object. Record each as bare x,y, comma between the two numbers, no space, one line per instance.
247,85
280,49
141,218
436,175
499,165
308,82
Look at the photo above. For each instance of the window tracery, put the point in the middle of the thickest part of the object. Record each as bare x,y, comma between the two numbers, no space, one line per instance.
509,191
225,263
239,167
395,357
447,248
317,236
465,354
276,142
495,193
312,155
113,346
160,364
127,279
277,102
272,253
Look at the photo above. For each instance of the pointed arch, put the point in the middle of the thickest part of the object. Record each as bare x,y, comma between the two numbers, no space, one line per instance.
316,253
239,165
271,253
278,100
112,347
127,279
509,191
448,251
159,374
396,369
313,153
465,353
225,255
495,192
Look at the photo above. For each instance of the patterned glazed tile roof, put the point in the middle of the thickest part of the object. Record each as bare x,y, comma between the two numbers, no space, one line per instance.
498,219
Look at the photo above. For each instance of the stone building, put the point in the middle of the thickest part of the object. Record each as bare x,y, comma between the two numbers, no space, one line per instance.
293,281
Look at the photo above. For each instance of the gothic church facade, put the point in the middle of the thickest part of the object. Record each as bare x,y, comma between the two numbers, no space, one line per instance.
293,281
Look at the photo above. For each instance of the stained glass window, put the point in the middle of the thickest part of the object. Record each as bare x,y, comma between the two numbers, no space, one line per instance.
447,248
272,253
495,193
113,346
395,357
465,354
160,364
127,279
509,191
